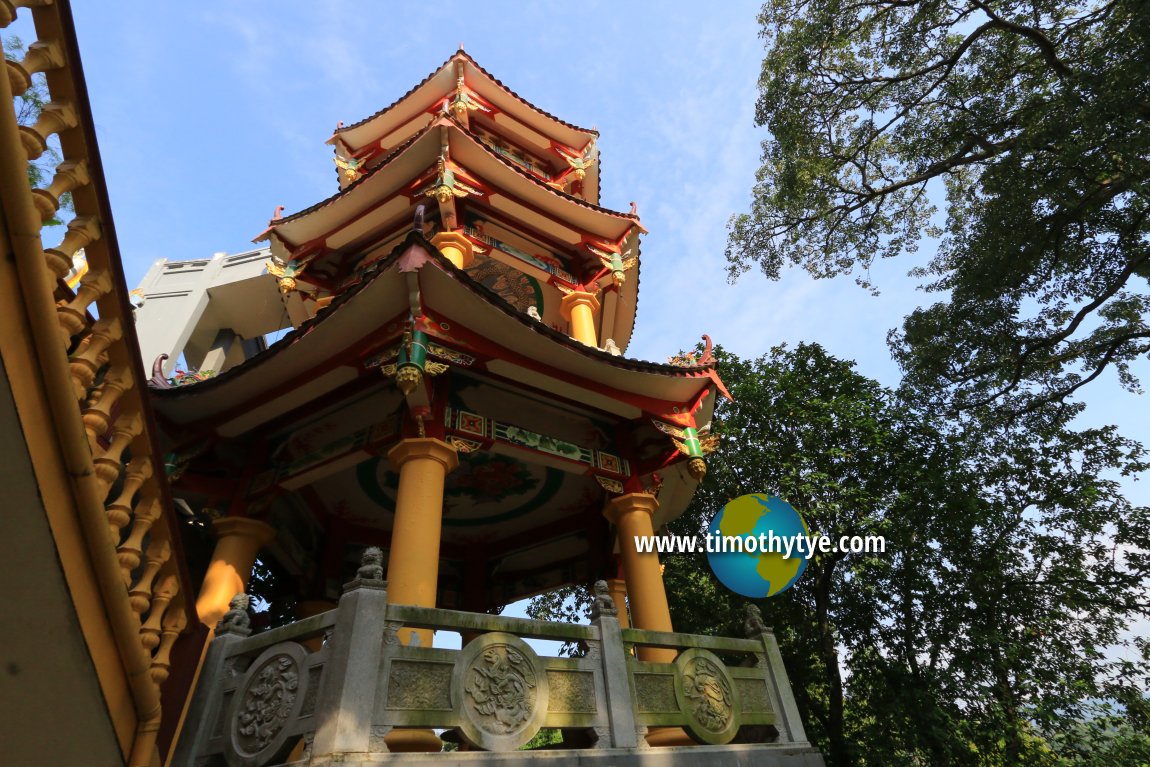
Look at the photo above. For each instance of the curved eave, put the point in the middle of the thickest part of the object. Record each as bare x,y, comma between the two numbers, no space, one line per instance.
628,297
355,318
412,158
474,155
384,123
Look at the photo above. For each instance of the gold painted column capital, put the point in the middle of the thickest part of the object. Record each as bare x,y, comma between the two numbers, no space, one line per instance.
226,527
456,247
624,504
424,447
577,298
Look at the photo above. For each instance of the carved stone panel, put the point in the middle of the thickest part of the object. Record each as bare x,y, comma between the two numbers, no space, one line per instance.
501,690
707,697
572,692
419,686
267,700
753,695
655,694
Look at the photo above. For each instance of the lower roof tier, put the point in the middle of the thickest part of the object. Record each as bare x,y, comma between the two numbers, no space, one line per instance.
547,430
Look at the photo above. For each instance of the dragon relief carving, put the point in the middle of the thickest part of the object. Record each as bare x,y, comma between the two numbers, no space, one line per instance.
501,688
267,703
706,686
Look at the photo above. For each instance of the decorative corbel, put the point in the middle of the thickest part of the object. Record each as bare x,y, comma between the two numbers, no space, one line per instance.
350,168
462,103
615,262
693,443
578,164
412,363
285,273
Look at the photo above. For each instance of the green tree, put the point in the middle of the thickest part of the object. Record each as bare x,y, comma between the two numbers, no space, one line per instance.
1013,562
1028,118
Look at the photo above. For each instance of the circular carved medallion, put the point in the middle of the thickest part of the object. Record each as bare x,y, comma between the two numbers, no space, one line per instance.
267,700
707,695
500,690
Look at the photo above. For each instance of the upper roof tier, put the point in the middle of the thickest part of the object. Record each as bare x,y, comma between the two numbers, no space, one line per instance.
549,146
560,240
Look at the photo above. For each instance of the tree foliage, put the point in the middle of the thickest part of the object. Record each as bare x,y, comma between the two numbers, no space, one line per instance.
991,631
1028,118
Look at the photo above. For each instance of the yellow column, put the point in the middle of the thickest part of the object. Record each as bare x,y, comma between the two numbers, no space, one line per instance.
238,541
617,587
579,309
631,514
456,247
413,562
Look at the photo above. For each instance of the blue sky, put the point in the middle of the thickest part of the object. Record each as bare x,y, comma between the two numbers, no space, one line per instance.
209,115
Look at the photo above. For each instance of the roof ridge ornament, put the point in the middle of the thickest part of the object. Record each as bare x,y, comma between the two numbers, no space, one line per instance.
462,100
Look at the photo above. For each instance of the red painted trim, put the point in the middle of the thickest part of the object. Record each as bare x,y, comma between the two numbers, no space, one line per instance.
495,351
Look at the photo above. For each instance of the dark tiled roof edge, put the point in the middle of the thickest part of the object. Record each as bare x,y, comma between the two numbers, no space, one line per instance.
493,298
492,77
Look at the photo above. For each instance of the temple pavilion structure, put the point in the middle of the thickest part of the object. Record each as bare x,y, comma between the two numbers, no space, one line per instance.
413,406
457,391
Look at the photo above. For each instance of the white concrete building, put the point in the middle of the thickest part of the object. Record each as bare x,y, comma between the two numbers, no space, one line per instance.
215,312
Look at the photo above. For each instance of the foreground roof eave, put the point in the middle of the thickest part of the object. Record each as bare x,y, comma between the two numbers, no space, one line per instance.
601,358
464,55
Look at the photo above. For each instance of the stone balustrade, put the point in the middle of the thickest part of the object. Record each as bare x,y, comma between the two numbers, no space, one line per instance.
262,698
85,353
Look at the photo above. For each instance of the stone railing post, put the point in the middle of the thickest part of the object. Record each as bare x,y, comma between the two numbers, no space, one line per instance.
204,709
345,711
616,676
787,721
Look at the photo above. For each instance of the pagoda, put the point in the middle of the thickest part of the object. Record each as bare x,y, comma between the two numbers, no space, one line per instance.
458,394
449,424
453,415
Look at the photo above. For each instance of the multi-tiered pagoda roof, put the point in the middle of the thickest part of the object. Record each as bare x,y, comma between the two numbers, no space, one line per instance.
444,282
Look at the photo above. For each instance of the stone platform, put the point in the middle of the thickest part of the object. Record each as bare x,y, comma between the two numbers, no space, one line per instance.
765,755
